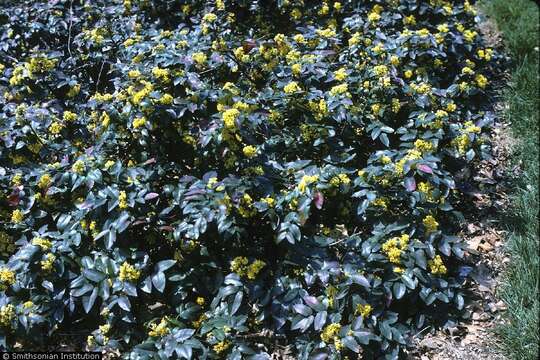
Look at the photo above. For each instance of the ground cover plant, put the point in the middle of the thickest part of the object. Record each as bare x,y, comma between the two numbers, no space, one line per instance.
236,179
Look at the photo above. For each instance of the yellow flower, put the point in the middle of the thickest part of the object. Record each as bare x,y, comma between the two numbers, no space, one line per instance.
381,202
17,179
44,181
363,310
436,266
128,272
426,189
47,264
122,200
249,151
330,332
7,314
200,301
199,58
28,304
159,330
78,167
430,224
134,74
138,122
326,33
291,87
481,81
306,180
238,265
296,69
69,116
409,20
166,99
55,128
221,346
44,244
339,89
7,278
394,247
17,216
340,74
161,74
229,118
299,38
210,17
462,143
269,201
254,269
423,146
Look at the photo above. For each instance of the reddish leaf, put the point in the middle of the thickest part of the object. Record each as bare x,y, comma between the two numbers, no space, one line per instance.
319,200
425,168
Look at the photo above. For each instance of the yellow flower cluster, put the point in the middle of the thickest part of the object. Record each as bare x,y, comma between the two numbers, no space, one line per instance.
166,99
426,189
6,244
128,272
44,181
55,128
221,346
74,90
7,314
7,278
69,116
229,118
240,266
436,266
340,179
138,122
319,109
16,180
44,244
143,90
249,151
159,330
430,224
40,64
270,201
291,87
481,81
79,167
363,310
381,202
47,264
161,74
330,332
122,200
246,209
394,247
340,74
305,181
209,17
17,216
423,146
339,89
380,70
199,58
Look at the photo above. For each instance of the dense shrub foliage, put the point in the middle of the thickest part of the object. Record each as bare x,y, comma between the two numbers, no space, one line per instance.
233,178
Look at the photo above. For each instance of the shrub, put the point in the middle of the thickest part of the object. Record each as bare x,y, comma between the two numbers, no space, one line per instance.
228,179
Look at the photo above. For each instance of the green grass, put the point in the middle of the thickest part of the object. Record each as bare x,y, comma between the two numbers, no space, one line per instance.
518,22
